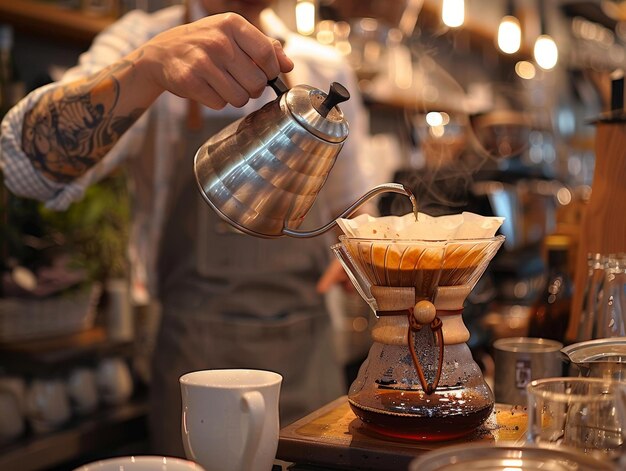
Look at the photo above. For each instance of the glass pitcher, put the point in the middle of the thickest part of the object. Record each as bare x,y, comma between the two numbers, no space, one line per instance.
419,380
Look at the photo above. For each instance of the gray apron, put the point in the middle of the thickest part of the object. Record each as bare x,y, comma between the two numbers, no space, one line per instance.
230,300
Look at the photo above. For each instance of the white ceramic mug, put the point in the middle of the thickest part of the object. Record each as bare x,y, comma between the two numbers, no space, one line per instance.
114,381
230,418
11,419
141,463
47,404
82,390
12,394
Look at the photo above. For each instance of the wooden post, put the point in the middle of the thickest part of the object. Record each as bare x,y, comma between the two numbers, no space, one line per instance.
604,220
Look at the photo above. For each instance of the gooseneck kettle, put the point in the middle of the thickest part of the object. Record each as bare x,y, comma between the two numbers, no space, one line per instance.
262,173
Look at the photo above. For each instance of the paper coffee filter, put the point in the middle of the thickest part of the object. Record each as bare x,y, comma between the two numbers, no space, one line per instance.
432,251
450,227
387,263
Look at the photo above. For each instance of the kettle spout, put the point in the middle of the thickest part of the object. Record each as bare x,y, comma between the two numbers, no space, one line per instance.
377,190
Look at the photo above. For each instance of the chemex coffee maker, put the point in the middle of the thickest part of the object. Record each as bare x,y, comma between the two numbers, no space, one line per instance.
419,380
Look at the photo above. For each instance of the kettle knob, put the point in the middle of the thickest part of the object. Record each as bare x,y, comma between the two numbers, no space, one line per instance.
337,94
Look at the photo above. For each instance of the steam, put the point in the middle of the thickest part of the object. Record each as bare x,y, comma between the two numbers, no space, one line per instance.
473,136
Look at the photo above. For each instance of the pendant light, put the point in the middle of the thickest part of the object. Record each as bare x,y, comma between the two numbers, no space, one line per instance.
545,51
305,17
453,13
509,31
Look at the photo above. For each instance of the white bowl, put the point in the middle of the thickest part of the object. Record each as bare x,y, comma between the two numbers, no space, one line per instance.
142,463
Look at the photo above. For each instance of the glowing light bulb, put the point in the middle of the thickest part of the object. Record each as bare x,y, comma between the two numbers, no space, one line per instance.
546,53
453,13
325,34
305,17
525,70
509,35
434,118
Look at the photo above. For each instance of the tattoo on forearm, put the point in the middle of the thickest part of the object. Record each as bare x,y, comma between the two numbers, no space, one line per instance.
73,127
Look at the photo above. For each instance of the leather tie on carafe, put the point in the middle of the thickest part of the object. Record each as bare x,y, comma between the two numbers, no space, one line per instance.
418,315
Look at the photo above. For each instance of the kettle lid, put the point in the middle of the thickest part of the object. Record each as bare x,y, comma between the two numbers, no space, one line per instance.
317,112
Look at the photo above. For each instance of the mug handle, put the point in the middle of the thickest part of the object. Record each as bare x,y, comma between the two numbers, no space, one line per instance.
255,404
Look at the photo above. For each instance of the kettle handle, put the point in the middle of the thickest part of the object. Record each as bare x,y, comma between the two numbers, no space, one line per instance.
278,86
383,188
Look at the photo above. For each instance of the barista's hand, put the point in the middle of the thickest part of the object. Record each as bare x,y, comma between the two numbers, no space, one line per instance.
334,274
217,60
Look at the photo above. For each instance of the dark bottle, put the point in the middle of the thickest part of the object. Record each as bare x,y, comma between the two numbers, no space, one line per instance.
550,314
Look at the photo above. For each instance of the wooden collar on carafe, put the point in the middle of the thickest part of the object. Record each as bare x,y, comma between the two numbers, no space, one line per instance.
394,301
194,109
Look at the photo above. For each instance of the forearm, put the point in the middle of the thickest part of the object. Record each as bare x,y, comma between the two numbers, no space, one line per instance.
219,60
72,127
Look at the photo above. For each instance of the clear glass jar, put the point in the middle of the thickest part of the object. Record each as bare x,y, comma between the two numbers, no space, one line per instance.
419,381
610,320
591,296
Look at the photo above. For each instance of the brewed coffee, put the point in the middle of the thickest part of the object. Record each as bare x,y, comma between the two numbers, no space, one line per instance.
445,415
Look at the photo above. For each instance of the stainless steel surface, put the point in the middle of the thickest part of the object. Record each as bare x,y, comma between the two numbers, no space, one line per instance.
601,358
518,361
478,457
303,102
262,173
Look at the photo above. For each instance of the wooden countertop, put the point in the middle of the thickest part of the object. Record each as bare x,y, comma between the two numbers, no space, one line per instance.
334,436
51,21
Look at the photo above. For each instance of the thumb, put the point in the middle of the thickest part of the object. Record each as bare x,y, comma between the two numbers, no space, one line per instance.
286,64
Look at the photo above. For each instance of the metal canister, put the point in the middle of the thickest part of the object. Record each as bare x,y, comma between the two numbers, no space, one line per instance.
519,360
507,457
599,358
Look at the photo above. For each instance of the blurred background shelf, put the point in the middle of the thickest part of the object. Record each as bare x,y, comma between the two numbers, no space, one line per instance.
50,20
44,356
122,428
